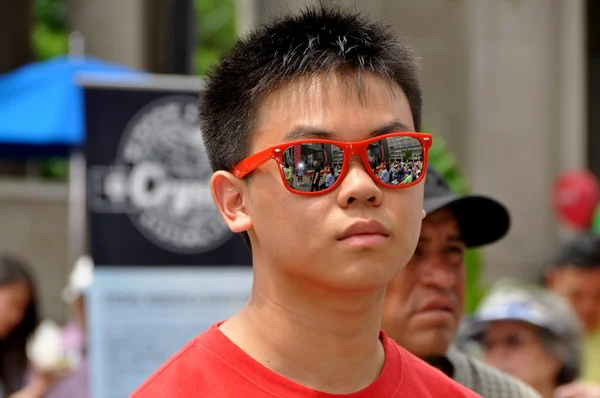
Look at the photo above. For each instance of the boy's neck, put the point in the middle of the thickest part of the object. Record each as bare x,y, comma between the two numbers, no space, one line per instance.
320,339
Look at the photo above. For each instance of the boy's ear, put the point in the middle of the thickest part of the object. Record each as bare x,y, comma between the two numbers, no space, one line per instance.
228,194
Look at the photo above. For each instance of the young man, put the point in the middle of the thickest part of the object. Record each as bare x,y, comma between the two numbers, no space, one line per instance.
575,275
311,325
424,303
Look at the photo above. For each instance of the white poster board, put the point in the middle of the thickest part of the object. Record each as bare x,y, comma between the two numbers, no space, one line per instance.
140,317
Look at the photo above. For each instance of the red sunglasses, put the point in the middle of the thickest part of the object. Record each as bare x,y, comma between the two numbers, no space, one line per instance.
314,167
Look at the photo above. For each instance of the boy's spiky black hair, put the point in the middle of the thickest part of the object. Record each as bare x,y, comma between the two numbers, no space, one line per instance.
318,40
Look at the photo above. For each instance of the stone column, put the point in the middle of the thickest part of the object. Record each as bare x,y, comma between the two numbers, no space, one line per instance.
114,30
15,34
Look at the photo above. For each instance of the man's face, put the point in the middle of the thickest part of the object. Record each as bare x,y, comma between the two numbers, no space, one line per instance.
298,236
581,287
423,304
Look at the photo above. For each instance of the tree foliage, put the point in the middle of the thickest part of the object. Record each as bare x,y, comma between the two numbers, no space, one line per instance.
444,162
49,34
215,31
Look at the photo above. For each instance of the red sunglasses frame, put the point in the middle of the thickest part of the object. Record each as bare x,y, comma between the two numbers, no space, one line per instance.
349,149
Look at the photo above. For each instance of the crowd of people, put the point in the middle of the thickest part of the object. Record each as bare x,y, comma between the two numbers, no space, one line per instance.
320,177
534,333
397,172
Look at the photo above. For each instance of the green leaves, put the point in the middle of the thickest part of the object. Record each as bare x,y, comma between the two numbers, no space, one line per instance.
215,31
444,162
49,35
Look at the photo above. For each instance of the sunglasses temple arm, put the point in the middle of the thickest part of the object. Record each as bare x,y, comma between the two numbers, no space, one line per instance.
252,163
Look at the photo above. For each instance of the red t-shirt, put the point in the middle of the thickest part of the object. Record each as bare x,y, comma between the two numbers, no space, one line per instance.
212,366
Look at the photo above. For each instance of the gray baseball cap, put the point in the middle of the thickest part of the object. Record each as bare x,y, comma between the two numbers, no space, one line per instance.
481,219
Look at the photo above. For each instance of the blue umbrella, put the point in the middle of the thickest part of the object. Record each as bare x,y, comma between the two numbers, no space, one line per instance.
41,103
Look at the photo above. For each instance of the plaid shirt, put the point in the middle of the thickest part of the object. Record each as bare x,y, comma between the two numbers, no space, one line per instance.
481,378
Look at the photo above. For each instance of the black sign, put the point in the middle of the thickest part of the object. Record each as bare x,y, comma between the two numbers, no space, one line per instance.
149,201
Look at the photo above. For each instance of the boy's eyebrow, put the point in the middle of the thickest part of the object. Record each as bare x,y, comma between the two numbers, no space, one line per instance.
307,131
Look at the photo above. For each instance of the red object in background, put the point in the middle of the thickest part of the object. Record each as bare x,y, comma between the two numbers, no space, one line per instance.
576,195
297,155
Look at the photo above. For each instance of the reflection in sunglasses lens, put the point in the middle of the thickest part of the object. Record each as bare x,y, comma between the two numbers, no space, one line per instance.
396,160
311,167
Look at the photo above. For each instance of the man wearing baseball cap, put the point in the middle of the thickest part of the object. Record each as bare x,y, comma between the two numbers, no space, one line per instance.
424,303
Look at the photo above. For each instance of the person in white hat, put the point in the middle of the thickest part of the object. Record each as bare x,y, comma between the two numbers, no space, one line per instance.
532,334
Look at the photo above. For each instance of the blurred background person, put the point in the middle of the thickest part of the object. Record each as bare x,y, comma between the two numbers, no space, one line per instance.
18,321
75,384
288,173
314,185
424,303
529,333
574,274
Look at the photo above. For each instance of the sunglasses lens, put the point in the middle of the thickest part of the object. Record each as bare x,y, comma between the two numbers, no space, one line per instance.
397,160
312,166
